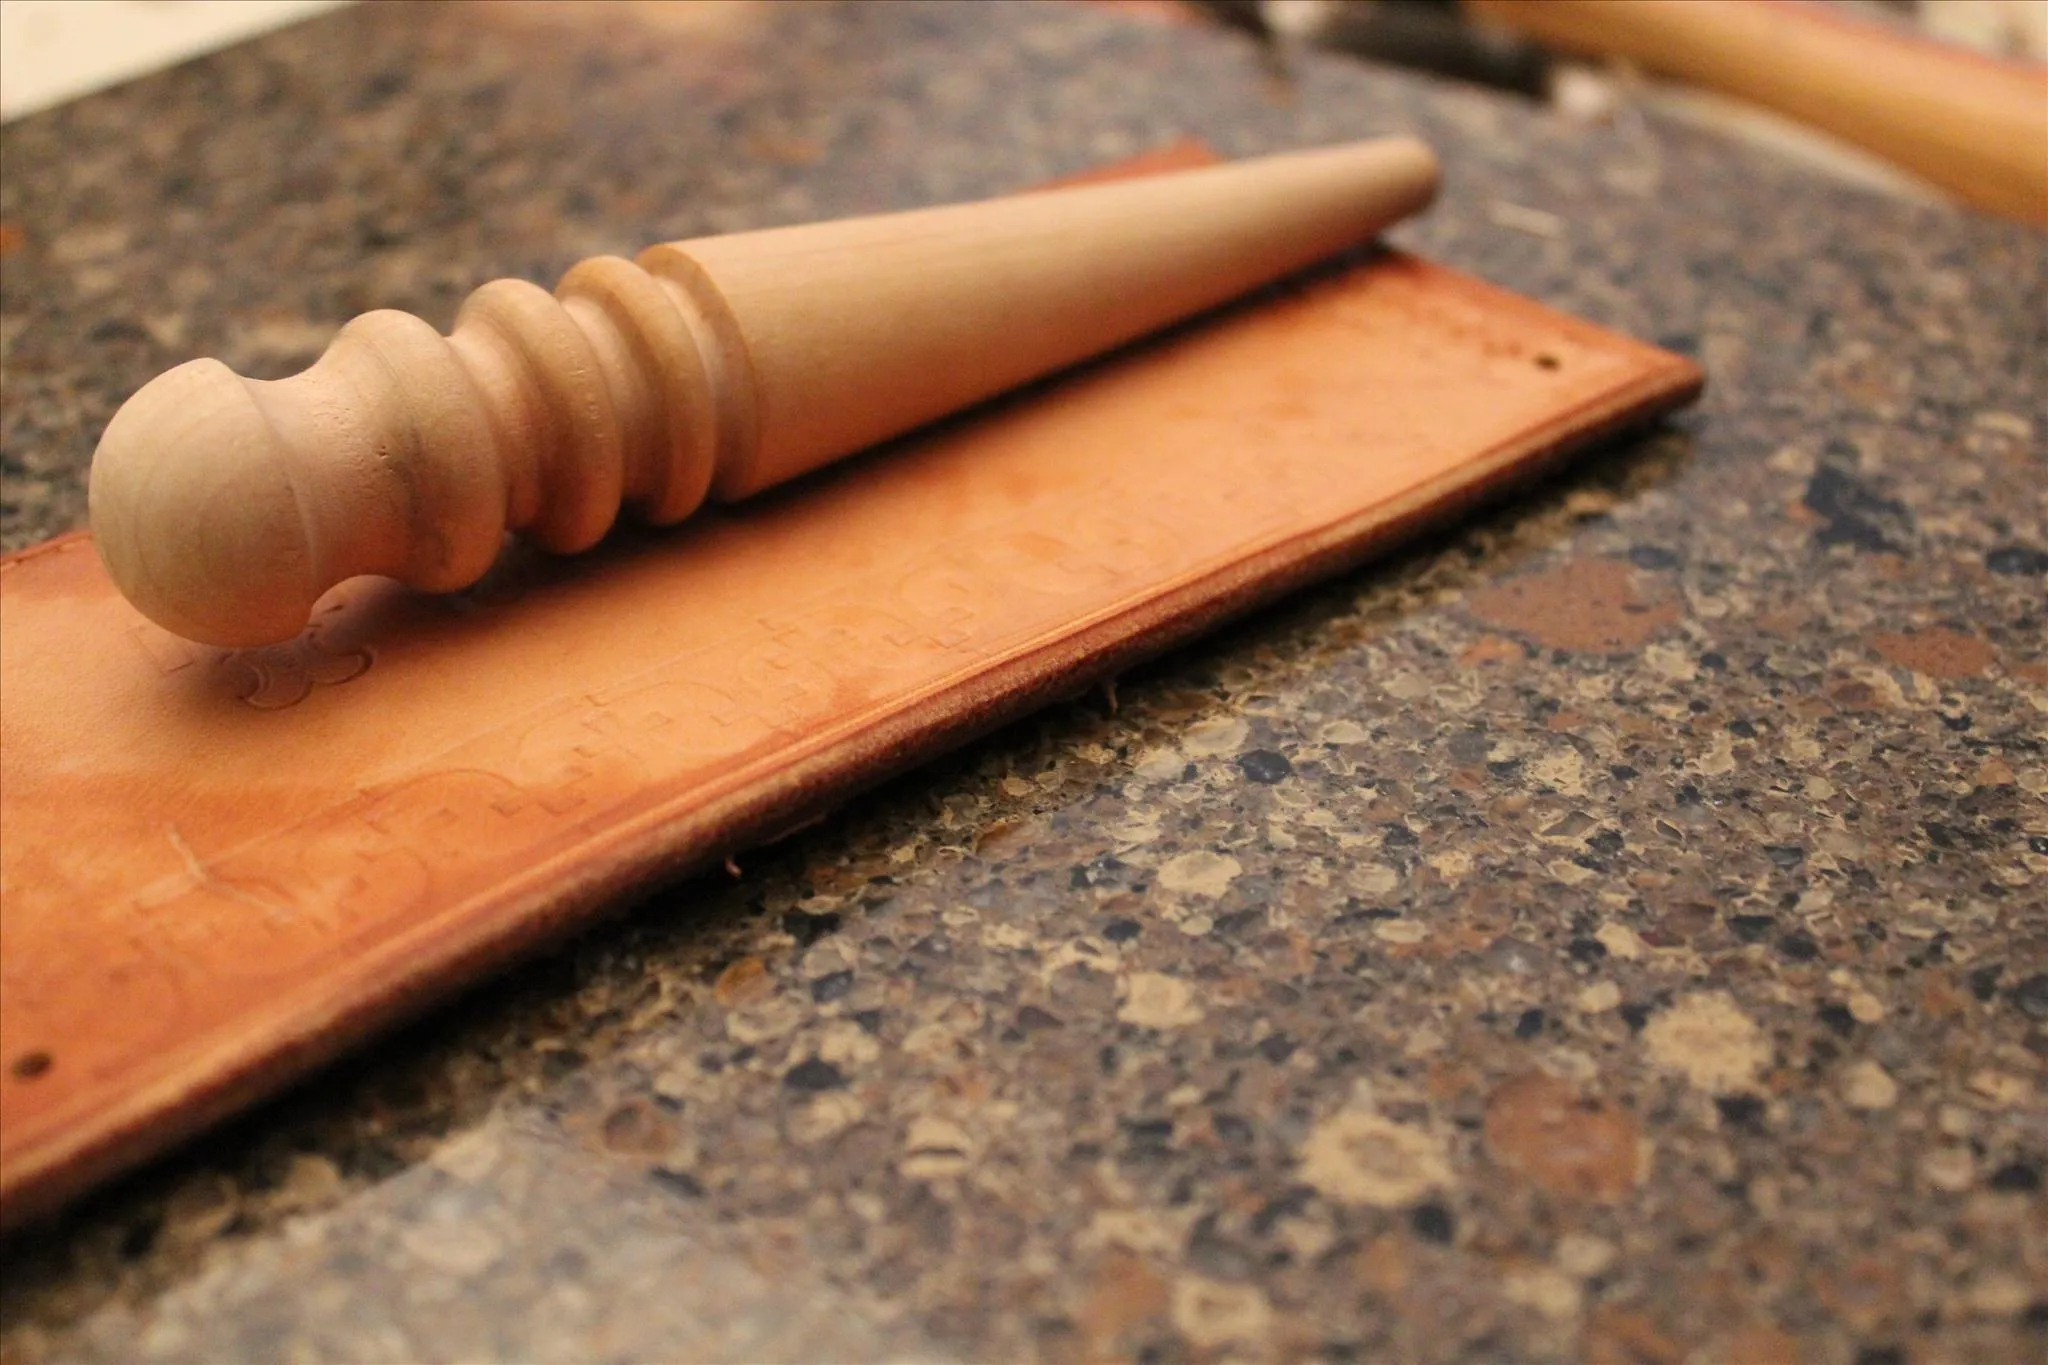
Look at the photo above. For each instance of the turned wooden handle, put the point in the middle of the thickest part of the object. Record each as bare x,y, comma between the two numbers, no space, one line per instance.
224,507
1973,125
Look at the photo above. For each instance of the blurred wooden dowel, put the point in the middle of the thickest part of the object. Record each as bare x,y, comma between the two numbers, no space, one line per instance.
1974,125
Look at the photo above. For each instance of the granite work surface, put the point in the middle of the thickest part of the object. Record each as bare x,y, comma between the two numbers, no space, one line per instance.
1612,931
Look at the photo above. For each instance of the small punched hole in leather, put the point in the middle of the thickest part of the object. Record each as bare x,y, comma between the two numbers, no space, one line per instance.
30,1065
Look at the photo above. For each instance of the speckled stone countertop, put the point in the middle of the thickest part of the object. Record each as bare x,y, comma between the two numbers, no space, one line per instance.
1614,931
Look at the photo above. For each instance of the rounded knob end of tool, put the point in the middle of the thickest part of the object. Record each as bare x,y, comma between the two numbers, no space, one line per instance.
195,514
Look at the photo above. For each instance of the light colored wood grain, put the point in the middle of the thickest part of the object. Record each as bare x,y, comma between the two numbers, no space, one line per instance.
1974,125
224,507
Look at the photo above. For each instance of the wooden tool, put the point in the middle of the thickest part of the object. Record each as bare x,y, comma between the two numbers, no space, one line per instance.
225,507
1973,125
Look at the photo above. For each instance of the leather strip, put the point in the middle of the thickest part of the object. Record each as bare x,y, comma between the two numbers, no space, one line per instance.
218,869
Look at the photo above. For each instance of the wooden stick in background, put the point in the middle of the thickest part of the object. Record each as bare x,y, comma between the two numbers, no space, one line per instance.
1974,125
224,507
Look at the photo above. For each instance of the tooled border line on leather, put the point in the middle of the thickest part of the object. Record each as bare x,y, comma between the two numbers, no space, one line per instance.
544,902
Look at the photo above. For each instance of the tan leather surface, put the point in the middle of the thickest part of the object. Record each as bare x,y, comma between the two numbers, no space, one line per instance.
218,869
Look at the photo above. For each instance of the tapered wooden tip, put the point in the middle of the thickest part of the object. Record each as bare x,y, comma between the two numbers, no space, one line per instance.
224,507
